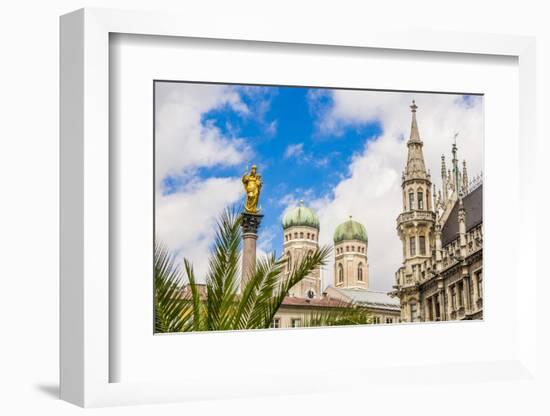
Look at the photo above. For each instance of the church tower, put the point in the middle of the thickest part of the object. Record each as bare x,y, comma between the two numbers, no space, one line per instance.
351,269
301,236
415,225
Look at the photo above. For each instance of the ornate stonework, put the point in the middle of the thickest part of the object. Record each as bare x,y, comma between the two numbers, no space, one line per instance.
442,273
251,222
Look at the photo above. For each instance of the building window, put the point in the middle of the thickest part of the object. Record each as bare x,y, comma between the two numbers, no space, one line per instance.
479,284
276,323
347,248
422,244
375,319
412,246
352,248
295,323
389,320
289,261
313,236
360,272
414,312
340,273
453,297
301,235
460,290
308,236
295,235
420,200
411,201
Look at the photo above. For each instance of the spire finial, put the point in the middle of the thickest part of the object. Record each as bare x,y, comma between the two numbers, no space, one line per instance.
465,182
415,135
301,202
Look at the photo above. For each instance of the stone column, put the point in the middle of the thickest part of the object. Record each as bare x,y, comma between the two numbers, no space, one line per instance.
476,293
442,310
467,299
250,224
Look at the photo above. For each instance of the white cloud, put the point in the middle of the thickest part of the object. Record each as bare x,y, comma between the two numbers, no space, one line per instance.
294,150
371,190
183,141
185,221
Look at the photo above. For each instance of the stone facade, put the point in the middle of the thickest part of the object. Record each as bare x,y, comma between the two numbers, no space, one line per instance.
441,277
351,279
299,241
351,264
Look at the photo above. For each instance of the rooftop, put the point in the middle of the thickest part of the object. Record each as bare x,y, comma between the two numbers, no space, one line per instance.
473,204
371,298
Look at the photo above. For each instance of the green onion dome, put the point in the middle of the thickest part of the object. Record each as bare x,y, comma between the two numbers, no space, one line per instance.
300,216
350,230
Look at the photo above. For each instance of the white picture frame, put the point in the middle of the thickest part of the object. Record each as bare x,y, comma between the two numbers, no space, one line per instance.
85,220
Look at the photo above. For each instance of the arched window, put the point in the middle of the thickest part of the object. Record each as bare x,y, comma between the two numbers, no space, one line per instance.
308,236
301,235
352,248
313,236
360,272
295,235
310,253
411,200
340,273
422,245
414,312
412,248
420,200
347,248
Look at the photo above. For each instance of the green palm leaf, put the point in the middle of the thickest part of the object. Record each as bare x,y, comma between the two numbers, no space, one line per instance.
224,307
171,311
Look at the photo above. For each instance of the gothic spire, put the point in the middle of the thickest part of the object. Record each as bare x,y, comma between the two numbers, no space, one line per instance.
415,161
415,134
464,177
456,171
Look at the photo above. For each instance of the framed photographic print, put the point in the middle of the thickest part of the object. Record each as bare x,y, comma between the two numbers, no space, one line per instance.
325,211
335,168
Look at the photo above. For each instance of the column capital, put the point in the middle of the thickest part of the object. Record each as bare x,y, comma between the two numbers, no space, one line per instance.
251,222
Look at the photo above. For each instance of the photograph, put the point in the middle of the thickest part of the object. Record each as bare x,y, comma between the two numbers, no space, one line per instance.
294,206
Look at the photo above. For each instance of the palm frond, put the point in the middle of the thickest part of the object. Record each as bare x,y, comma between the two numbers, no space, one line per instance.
197,322
346,313
171,311
258,292
222,280
299,271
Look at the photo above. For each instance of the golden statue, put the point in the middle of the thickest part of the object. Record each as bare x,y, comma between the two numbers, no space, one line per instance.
252,185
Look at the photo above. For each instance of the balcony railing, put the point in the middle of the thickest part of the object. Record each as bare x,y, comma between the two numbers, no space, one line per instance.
416,216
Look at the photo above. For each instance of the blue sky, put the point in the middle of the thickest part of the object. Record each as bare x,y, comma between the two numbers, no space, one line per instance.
341,151
296,160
